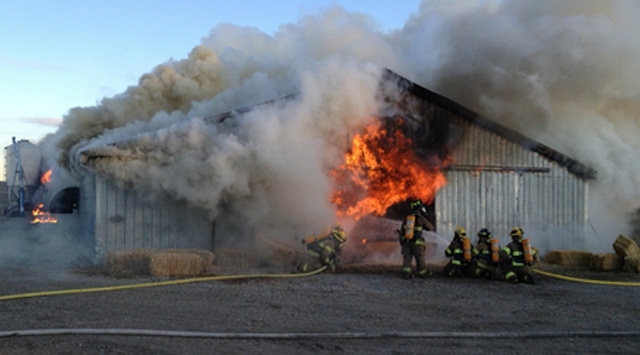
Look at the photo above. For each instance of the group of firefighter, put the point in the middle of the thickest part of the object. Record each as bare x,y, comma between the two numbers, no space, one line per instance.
485,260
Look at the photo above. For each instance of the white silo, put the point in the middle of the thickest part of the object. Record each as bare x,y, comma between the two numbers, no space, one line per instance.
23,168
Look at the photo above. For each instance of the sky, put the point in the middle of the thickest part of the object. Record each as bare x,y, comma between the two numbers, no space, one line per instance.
56,55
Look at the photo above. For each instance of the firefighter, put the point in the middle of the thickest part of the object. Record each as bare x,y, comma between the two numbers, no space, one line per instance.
486,257
517,258
460,254
323,251
412,242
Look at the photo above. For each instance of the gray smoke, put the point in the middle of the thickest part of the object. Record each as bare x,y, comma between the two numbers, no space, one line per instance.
564,73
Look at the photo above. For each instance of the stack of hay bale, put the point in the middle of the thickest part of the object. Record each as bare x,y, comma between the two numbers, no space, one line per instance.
626,257
159,263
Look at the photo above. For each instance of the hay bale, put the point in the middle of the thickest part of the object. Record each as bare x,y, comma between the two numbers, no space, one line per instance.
631,264
569,257
128,263
175,264
153,262
626,247
206,257
607,262
236,258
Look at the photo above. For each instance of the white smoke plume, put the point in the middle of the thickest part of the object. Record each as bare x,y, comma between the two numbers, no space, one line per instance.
564,73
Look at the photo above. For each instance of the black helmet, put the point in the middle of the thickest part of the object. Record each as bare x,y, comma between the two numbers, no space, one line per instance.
418,207
484,233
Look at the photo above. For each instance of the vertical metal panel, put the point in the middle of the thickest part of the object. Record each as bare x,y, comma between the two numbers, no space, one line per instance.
123,220
548,203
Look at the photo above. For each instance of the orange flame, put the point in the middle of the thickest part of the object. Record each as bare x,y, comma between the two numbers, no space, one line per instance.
40,216
380,170
46,177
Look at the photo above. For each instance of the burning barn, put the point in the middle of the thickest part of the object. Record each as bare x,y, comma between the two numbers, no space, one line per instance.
496,177
471,171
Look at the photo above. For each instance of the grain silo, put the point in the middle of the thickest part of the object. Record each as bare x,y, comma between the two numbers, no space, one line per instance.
23,161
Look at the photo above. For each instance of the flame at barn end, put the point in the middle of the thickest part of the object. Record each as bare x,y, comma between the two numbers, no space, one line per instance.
40,216
382,169
46,177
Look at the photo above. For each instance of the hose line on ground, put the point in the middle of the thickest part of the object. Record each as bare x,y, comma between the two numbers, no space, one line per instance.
589,281
339,335
157,284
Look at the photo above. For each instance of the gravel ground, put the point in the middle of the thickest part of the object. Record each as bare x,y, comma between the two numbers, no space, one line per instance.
358,310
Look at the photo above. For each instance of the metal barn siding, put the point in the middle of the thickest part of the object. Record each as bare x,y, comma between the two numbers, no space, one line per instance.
116,219
496,183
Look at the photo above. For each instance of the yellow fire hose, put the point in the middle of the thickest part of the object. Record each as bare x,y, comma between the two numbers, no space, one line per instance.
157,284
576,279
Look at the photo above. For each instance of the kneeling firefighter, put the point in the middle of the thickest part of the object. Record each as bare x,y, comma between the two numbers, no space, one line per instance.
460,254
486,256
517,258
412,242
323,251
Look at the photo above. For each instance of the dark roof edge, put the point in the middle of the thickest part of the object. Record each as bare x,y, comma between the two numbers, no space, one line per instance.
572,165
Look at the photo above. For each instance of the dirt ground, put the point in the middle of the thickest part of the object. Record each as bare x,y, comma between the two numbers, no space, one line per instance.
361,309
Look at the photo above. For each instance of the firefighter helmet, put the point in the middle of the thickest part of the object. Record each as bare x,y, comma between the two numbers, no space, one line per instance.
338,233
484,233
460,232
516,232
418,207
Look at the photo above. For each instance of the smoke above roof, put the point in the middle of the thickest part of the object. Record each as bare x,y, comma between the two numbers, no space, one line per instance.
563,73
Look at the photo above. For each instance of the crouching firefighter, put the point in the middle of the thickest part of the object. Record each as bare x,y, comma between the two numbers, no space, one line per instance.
460,254
323,251
412,242
517,258
486,256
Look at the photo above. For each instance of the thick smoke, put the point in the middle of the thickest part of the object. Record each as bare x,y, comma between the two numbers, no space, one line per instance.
564,73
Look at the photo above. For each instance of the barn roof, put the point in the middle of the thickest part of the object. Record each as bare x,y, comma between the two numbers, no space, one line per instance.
572,165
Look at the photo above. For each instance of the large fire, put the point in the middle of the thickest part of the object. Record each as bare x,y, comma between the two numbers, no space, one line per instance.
380,170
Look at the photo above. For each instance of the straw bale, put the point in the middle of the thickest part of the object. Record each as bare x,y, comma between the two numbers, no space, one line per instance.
153,262
607,262
235,258
569,257
175,264
626,247
206,257
128,263
631,264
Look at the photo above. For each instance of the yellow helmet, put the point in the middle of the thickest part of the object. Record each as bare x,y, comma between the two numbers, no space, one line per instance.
460,232
516,232
338,233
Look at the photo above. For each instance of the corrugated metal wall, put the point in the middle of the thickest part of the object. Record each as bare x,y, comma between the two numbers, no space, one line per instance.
116,219
498,184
